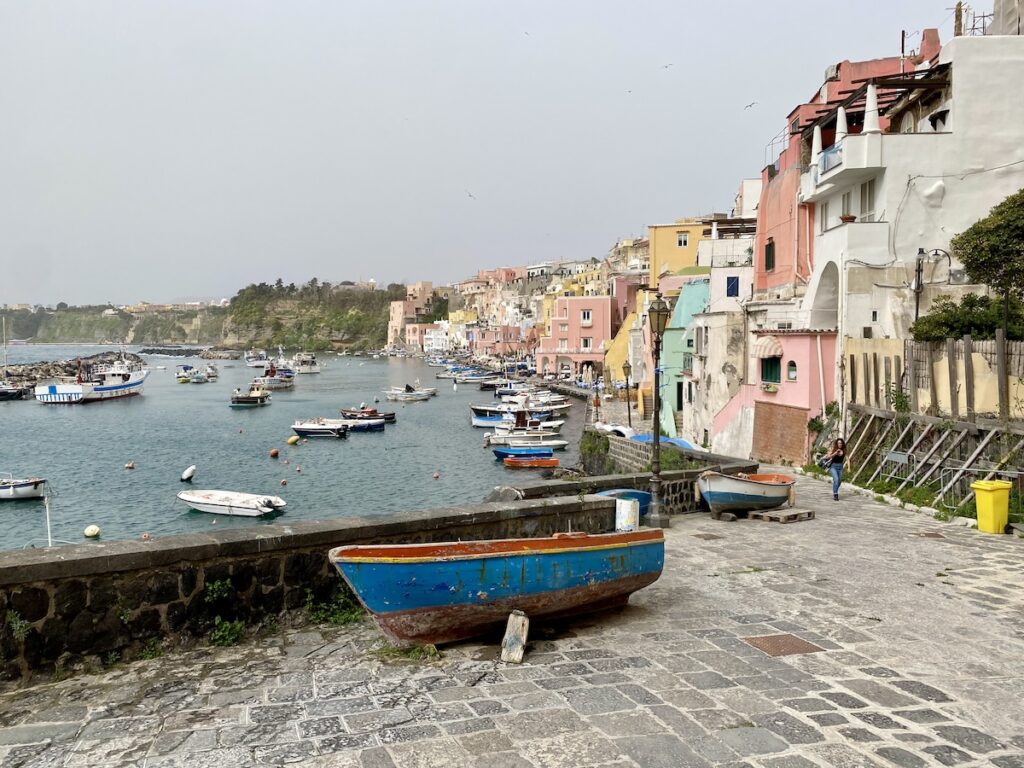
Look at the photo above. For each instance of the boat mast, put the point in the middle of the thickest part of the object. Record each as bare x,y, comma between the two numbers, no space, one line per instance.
5,346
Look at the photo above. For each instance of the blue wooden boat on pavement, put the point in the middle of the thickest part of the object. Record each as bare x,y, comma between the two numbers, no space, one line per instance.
745,493
508,451
441,593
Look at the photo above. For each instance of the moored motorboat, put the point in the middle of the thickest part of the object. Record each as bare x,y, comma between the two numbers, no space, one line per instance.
743,493
406,397
101,382
362,412
197,377
305,362
530,462
11,391
321,428
256,358
12,487
212,374
536,441
441,593
183,373
232,503
256,395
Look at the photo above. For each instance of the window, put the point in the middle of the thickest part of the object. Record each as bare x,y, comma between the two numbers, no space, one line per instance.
867,198
732,286
847,199
791,371
563,345
874,315
771,370
689,391
585,317
824,216
769,255
563,327
587,343
682,239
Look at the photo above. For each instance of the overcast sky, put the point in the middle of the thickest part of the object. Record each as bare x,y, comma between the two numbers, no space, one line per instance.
163,150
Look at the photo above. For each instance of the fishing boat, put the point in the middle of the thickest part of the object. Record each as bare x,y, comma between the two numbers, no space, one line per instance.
643,498
305,362
320,428
275,378
530,462
183,373
212,374
197,377
536,441
549,427
12,487
256,358
520,437
441,593
504,451
232,503
408,395
743,493
255,396
350,425
362,412
99,382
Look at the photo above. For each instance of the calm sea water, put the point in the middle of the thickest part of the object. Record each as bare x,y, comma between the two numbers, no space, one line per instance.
82,450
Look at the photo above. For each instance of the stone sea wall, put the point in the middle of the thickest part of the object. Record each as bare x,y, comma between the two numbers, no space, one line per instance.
62,606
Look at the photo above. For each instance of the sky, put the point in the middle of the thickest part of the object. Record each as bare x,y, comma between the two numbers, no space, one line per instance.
179,149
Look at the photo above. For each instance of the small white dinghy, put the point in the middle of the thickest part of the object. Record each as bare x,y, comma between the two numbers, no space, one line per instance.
232,503
23,488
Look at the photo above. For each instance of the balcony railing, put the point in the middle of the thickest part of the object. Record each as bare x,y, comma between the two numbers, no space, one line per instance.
830,158
687,366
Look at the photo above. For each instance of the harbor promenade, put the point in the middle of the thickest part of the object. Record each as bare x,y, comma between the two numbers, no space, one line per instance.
901,643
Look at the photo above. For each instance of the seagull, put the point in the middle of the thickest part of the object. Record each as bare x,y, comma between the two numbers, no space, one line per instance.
751,104
470,194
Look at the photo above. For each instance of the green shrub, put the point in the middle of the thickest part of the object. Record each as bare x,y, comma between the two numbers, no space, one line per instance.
18,626
216,591
343,609
227,633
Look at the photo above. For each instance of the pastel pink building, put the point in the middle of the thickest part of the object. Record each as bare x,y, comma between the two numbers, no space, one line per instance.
497,341
581,329
415,334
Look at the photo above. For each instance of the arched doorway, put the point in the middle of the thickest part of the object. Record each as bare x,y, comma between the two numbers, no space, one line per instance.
825,307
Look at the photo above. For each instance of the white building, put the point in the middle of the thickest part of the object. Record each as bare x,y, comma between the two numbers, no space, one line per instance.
437,340
954,150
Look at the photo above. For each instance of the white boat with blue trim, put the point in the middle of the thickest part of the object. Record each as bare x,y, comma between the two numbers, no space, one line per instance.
12,487
745,493
100,382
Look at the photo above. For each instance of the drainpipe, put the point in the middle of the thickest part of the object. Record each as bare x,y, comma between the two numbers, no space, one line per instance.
841,342
821,375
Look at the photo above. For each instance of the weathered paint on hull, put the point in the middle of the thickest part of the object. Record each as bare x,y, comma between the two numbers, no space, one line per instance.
447,592
727,493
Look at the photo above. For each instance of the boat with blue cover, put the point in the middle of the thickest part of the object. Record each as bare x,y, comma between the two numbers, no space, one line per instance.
505,451
442,593
642,497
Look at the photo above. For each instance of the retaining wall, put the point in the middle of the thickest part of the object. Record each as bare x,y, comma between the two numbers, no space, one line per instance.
60,606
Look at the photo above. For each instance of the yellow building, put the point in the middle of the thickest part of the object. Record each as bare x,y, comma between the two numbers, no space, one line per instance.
462,317
673,247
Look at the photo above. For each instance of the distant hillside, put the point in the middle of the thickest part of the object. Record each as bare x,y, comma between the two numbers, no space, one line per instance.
314,316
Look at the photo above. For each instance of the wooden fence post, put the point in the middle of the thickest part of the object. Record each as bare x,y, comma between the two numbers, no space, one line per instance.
954,399
933,390
867,378
969,376
1004,384
853,378
912,377
887,366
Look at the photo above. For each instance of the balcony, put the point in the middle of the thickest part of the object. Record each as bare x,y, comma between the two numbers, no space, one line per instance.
831,158
866,241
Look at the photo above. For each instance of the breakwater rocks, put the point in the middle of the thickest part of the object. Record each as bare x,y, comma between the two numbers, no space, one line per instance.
30,374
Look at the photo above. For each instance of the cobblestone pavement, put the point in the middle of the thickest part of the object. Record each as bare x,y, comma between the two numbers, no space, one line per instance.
922,663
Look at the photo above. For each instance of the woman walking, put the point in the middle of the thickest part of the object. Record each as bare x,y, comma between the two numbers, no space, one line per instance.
837,460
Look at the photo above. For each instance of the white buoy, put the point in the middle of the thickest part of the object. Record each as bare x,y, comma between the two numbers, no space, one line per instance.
91,532
188,474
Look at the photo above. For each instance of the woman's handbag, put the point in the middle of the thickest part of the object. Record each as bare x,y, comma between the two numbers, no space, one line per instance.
824,462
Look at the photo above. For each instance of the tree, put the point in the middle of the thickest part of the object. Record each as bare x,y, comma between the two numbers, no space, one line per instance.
62,305
992,251
976,315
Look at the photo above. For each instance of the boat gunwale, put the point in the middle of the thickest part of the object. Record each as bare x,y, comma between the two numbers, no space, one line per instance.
790,480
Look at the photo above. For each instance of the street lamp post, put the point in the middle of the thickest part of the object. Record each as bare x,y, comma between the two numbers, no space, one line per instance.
626,370
658,313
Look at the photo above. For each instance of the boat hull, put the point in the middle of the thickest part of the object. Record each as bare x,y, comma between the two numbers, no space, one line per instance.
89,392
448,592
505,452
12,490
734,493
231,504
530,462
317,431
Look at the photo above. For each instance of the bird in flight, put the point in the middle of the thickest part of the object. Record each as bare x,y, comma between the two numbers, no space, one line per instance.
470,194
751,104
666,66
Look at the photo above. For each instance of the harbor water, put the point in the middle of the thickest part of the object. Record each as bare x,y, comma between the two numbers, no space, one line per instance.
82,450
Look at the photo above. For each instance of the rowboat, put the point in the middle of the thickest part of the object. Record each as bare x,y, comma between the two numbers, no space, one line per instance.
734,493
21,488
522,437
530,462
503,452
232,503
362,412
441,593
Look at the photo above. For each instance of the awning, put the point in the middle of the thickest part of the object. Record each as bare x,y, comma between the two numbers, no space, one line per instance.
767,346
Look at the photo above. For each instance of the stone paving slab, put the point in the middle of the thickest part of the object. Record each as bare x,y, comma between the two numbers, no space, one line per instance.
918,666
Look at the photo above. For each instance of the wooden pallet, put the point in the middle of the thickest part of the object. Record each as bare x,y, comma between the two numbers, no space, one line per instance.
786,516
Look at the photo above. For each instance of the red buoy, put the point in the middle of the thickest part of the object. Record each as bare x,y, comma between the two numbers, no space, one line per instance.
273,453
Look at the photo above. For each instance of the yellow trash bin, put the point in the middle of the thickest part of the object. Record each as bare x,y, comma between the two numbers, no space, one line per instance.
993,501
